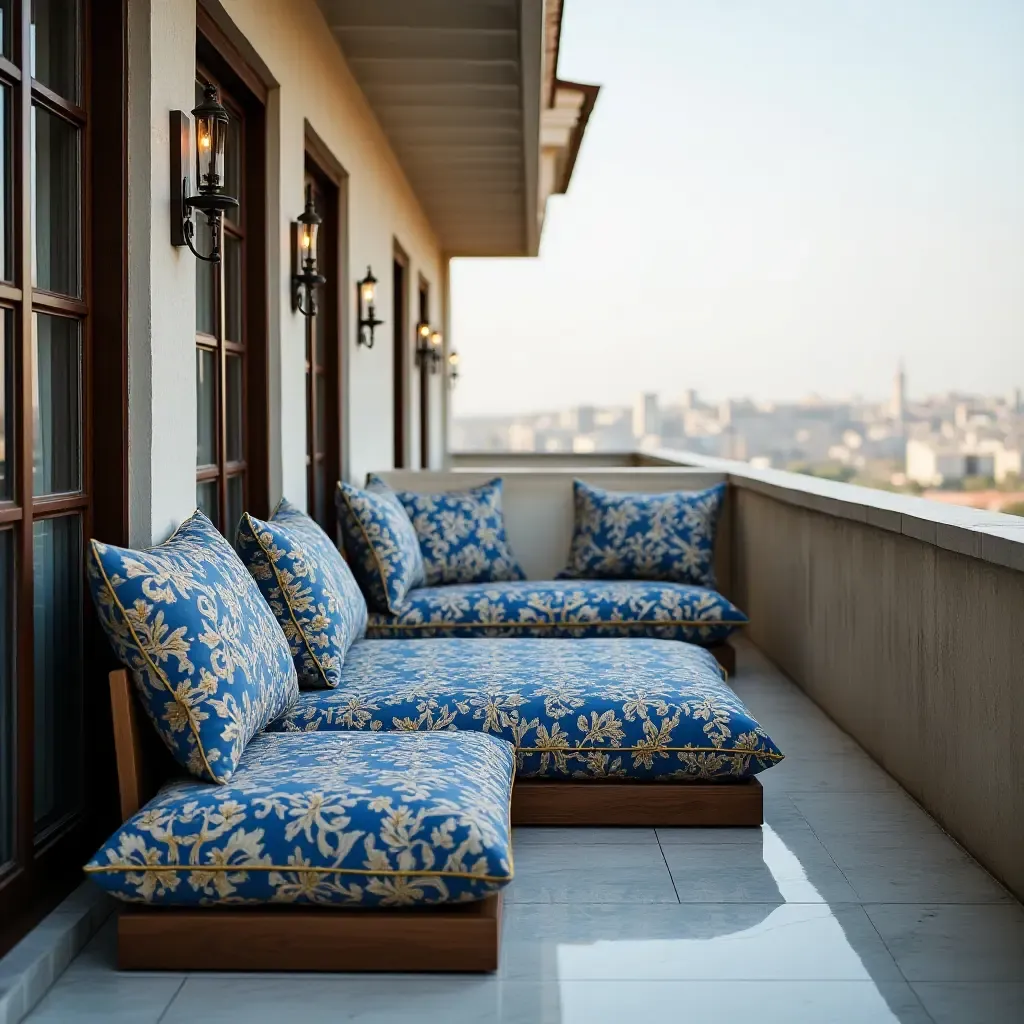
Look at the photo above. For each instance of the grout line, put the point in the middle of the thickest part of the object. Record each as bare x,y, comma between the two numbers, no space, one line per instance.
170,1002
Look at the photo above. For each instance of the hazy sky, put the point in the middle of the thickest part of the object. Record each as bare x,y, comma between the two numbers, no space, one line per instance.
774,197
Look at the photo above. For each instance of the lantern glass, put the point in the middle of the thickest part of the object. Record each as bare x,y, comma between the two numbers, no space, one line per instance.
424,331
211,134
369,292
435,339
307,242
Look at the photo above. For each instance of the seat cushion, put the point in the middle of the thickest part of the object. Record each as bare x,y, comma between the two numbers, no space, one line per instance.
563,608
334,818
381,545
309,588
210,662
644,536
461,534
639,709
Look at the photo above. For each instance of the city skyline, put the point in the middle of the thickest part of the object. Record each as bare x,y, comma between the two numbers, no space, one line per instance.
771,200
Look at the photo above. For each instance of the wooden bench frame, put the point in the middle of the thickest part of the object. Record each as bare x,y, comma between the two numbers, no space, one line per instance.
453,937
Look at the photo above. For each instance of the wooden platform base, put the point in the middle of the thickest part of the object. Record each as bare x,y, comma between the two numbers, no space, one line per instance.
462,937
665,804
725,655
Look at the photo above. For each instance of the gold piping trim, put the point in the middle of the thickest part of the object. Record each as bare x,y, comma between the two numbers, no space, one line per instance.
551,625
654,750
133,869
280,584
373,550
160,675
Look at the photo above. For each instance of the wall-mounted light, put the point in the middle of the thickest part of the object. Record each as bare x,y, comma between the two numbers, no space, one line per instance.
428,347
453,368
305,274
366,291
211,131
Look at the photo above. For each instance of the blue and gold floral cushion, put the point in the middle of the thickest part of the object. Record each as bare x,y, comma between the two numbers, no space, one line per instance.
381,545
210,663
309,588
564,608
645,536
461,534
354,819
637,709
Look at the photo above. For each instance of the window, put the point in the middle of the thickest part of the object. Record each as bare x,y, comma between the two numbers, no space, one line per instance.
424,318
323,361
400,334
45,472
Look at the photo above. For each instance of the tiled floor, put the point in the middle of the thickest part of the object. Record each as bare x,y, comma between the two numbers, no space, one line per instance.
850,905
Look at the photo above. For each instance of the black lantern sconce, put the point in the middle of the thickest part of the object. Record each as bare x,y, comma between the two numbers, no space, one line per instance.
453,368
211,132
305,275
428,347
366,291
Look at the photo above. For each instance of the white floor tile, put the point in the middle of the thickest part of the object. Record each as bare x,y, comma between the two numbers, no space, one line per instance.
863,813
108,997
972,1002
538,836
953,943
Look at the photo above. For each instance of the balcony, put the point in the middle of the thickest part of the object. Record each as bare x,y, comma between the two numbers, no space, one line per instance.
883,655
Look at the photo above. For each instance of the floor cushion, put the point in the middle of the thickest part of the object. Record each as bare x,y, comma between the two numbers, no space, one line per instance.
309,587
210,663
639,709
563,608
330,818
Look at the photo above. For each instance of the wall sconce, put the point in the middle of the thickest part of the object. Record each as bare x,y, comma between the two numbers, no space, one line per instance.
211,132
453,368
366,291
305,275
428,347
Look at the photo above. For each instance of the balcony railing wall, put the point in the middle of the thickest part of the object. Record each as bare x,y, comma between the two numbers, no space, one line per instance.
902,618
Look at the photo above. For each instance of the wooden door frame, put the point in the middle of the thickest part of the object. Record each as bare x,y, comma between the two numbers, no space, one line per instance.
400,356
423,294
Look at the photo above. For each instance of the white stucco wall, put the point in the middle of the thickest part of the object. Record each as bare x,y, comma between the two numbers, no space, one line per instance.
313,83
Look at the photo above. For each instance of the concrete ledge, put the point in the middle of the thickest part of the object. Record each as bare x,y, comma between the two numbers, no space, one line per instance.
35,963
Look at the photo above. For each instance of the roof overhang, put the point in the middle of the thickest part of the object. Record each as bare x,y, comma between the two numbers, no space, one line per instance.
462,89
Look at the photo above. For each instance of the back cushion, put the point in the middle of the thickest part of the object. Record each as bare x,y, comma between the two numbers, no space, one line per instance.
461,534
667,537
381,545
210,663
309,588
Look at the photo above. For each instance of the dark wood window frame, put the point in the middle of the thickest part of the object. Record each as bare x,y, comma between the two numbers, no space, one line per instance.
45,863
218,60
400,368
425,372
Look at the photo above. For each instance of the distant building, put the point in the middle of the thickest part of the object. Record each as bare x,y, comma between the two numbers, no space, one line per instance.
898,402
646,416
936,461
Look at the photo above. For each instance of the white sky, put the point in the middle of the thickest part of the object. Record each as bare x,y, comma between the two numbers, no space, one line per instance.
774,197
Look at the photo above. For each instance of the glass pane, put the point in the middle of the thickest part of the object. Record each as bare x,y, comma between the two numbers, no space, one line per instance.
55,52
233,288
7,706
56,404
57,646
236,504
56,207
320,331
320,492
207,500
206,407
6,27
6,179
206,308
8,343
236,451
233,166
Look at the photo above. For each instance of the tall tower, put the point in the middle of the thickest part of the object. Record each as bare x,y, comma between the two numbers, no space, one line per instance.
898,401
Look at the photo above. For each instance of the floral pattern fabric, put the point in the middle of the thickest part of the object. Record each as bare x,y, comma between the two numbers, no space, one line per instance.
356,820
563,608
210,663
309,588
381,545
645,536
637,709
461,534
